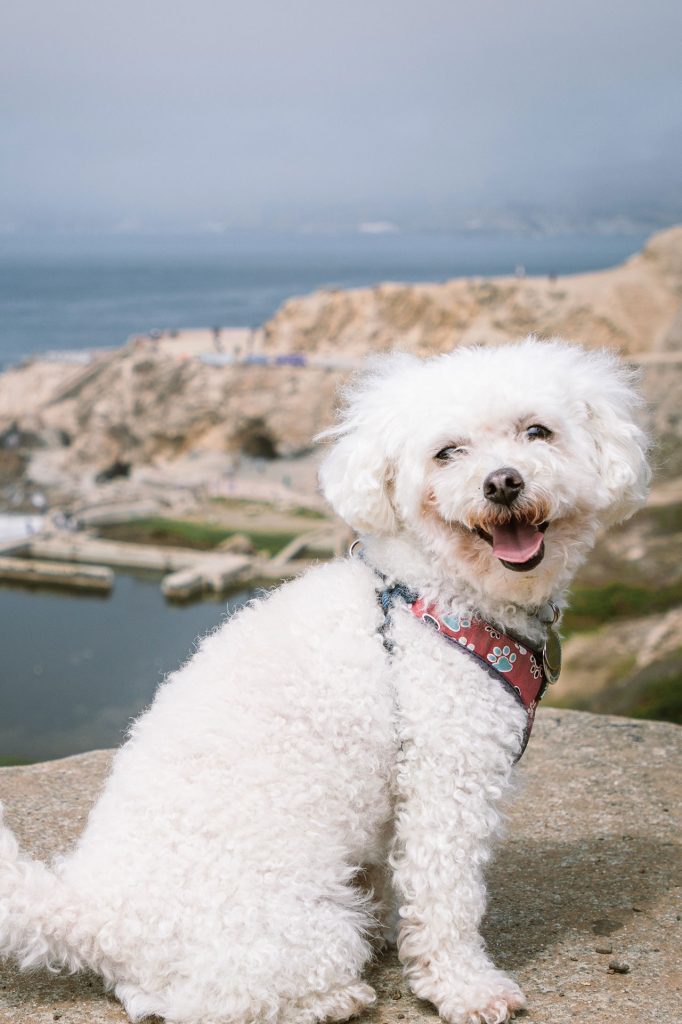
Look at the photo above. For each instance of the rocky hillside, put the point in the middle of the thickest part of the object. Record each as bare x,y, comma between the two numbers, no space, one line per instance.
623,630
137,406
634,308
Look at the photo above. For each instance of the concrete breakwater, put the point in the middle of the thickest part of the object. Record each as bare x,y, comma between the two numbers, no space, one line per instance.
84,562
68,574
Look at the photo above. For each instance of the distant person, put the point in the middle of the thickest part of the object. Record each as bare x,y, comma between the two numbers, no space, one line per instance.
217,342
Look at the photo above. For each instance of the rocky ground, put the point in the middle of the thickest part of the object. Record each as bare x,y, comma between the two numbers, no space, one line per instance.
584,904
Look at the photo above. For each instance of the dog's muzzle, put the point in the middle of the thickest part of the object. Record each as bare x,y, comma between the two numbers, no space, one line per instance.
518,542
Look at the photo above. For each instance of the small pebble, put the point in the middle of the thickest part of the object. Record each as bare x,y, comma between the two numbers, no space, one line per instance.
618,967
603,949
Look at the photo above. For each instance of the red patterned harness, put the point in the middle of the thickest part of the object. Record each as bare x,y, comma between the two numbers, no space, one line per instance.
519,668
515,665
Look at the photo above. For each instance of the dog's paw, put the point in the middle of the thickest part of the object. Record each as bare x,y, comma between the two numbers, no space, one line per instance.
484,998
490,999
337,1004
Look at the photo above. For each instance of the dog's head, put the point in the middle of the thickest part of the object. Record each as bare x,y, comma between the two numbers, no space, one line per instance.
500,463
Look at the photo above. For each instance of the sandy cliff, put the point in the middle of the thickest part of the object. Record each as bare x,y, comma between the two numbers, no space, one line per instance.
633,308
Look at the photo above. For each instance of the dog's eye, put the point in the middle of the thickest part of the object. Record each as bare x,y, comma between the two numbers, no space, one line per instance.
537,432
445,454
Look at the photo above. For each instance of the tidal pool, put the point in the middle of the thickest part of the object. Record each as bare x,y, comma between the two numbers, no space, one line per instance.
75,669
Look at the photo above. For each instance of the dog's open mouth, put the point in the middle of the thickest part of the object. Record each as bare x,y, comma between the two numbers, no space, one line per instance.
519,545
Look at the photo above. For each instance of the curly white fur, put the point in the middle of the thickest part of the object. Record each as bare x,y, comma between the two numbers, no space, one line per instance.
220,877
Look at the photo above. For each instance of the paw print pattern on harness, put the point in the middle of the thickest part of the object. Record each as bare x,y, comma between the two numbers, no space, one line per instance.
502,659
456,622
535,669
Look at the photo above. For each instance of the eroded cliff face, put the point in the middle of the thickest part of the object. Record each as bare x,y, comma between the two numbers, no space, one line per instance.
631,308
139,406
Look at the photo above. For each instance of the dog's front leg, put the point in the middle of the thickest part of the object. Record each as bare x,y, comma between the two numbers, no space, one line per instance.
460,732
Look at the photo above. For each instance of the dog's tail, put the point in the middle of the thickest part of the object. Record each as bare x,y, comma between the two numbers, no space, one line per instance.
38,912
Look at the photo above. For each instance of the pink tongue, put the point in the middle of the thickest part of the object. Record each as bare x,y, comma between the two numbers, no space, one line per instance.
516,542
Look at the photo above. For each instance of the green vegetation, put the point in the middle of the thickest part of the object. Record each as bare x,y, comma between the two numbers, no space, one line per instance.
271,542
590,608
319,554
306,513
240,504
249,504
665,519
662,700
188,534
167,532
654,693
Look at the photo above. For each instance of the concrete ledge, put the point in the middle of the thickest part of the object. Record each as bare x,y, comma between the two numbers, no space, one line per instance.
591,859
57,574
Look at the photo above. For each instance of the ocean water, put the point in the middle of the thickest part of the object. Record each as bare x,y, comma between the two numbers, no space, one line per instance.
78,668
75,292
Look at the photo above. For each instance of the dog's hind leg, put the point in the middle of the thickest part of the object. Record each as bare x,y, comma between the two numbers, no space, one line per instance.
335,1005
302,963
326,949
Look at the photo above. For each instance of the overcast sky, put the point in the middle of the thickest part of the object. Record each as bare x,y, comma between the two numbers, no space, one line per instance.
155,113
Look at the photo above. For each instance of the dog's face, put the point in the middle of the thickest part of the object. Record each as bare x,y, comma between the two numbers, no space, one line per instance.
501,463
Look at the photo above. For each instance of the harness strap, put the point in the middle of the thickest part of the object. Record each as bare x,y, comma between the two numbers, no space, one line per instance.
515,665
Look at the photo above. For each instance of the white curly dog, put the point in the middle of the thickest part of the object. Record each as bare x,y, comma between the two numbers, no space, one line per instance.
318,776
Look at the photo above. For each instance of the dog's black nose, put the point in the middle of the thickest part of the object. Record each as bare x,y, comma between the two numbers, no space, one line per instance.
503,486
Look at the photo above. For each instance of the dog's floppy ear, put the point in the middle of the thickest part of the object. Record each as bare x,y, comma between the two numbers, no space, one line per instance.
621,445
356,475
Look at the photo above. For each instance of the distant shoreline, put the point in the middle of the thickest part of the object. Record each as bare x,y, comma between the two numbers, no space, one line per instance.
71,293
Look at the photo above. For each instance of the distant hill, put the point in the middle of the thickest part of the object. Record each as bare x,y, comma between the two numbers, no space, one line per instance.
635,307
